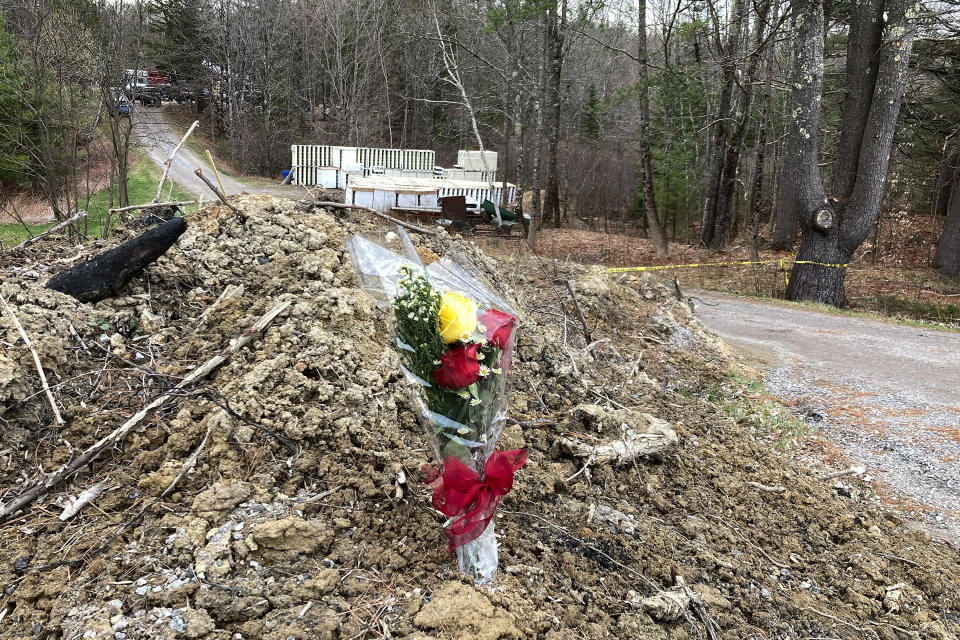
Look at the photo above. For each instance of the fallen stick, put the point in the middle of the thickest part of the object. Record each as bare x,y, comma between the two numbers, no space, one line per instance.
57,418
82,500
129,523
853,469
767,488
91,453
576,305
220,195
154,205
169,161
57,227
407,225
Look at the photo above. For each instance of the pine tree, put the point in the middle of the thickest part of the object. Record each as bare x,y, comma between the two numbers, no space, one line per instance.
592,117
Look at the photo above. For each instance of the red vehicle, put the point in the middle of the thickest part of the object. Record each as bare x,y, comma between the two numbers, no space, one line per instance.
154,77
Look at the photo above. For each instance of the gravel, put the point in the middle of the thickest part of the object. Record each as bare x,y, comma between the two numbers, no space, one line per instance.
885,392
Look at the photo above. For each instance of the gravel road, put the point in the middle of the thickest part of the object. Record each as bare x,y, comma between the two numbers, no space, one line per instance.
888,393
157,135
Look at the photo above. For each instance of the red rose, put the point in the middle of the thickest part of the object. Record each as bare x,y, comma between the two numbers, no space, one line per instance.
499,327
459,367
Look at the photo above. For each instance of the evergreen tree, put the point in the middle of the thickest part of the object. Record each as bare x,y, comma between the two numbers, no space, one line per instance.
592,117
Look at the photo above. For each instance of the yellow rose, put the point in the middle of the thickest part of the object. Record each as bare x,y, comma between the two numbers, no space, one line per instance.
458,317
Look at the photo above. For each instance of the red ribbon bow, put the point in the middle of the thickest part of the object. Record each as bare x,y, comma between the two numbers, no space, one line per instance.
460,492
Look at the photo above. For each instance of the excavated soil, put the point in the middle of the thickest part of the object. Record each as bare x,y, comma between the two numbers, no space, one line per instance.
279,497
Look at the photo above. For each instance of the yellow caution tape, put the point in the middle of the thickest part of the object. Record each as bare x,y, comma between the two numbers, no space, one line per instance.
685,266
781,261
822,264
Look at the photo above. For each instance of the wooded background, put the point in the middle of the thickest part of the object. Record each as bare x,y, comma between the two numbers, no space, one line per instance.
688,118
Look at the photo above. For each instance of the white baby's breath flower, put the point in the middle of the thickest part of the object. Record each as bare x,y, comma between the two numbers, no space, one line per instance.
474,402
480,355
497,370
464,337
481,329
464,394
463,431
484,370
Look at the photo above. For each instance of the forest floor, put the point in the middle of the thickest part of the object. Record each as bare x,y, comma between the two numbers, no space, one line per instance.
281,497
889,275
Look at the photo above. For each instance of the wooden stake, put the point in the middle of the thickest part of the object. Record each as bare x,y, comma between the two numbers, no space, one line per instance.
412,227
91,453
216,174
57,227
57,418
169,160
220,195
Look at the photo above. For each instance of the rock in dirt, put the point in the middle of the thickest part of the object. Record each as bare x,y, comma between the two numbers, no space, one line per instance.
462,612
220,499
285,539
106,274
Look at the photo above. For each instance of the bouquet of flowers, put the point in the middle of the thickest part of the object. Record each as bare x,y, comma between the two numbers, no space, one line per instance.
455,340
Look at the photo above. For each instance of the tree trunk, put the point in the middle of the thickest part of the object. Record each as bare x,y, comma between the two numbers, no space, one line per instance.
657,236
786,214
728,182
947,257
536,216
105,275
756,188
866,23
947,179
556,19
819,272
721,127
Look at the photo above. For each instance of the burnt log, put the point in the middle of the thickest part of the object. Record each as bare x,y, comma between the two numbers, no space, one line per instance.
105,275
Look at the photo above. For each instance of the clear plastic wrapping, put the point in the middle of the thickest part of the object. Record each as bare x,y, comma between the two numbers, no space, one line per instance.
455,339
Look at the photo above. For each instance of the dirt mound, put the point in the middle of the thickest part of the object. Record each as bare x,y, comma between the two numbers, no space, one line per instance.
280,496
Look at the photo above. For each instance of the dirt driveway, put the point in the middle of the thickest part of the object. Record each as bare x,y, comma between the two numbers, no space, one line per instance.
158,136
888,394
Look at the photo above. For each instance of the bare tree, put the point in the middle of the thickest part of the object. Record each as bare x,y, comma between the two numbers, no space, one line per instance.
657,236
947,257
829,236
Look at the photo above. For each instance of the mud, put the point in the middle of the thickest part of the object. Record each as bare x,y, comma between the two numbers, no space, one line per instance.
331,543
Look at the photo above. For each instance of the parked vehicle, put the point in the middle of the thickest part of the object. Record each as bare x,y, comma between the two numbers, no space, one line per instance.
119,105
150,97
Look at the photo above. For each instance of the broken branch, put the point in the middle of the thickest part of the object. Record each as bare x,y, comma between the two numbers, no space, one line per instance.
57,418
112,438
220,195
576,305
57,227
169,160
82,500
407,225
155,205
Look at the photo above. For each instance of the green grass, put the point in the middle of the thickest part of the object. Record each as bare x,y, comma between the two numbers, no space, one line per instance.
915,309
141,187
745,401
